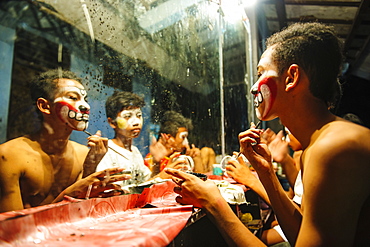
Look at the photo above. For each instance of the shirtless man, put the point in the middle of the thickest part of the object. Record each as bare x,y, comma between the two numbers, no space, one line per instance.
297,82
173,140
41,168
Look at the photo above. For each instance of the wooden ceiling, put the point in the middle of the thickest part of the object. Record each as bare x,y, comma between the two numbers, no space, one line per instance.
350,18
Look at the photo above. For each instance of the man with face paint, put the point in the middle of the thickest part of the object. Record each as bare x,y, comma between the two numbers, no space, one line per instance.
298,82
124,115
172,141
42,167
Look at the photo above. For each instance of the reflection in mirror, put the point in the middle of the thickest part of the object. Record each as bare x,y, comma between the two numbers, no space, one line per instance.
174,53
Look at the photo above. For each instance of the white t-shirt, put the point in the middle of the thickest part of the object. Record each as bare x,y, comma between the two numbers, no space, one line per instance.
121,157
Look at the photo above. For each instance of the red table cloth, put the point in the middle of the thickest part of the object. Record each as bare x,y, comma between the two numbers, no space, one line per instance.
115,221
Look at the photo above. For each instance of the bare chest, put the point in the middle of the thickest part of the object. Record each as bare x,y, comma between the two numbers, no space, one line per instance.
46,176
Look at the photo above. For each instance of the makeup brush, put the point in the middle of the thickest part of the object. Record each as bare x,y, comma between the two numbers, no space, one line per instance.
88,133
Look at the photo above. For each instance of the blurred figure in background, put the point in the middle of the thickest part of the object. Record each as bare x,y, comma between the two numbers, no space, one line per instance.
173,141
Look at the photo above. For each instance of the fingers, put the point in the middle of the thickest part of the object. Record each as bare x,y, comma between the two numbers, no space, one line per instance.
232,162
111,175
178,181
96,141
154,140
268,135
177,173
253,125
174,155
111,193
121,177
182,167
241,160
280,135
177,190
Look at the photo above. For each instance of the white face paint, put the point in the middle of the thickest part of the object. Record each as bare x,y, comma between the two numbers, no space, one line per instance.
130,121
265,89
72,107
184,137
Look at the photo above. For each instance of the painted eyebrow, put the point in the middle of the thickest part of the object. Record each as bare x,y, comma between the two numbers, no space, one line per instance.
77,93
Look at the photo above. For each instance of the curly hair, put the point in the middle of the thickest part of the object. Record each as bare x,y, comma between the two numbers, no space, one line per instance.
171,121
122,100
316,48
46,84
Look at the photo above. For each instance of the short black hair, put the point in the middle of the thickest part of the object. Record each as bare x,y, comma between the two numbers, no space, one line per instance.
45,85
121,100
317,49
171,121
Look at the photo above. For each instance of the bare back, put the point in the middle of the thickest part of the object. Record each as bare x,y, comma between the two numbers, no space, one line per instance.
336,171
30,177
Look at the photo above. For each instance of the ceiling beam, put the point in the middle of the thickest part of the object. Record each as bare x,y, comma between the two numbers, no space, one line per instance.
363,8
281,13
324,3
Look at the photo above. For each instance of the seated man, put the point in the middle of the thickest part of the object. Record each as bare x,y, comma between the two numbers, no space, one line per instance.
42,167
124,114
172,140
297,82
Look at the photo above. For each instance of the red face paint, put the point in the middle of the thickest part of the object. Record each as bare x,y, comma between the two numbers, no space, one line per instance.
267,91
76,119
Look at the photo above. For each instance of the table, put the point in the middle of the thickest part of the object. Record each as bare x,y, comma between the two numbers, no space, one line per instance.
152,218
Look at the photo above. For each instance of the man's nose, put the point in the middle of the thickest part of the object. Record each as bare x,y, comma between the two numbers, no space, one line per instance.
137,121
254,89
83,108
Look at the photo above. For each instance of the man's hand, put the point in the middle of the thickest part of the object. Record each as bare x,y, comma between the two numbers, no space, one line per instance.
194,191
177,164
192,151
279,148
95,184
98,148
240,172
255,149
157,149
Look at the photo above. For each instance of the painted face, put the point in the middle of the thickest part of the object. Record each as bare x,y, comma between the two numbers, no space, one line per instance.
265,89
264,94
130,121
181,140
72,108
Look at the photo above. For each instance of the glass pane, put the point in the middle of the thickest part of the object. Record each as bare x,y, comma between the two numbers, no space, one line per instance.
170,52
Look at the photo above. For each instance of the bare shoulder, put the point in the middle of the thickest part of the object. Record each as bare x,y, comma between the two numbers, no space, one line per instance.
340,144
17,145
340,136
18,152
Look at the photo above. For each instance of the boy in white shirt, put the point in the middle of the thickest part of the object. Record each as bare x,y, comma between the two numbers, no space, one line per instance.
124,115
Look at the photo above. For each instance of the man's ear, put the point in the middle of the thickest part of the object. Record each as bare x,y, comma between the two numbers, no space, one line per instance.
293,76
112,123
43,105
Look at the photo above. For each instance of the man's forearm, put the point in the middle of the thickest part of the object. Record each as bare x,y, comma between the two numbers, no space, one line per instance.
290,169
91,163
233,230
287,212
